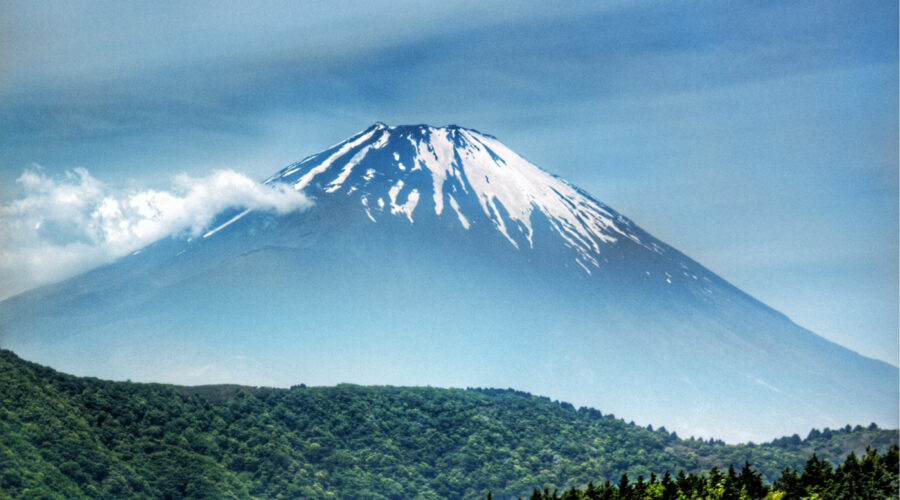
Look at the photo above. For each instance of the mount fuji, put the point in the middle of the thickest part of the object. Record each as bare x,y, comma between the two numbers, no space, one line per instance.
439,256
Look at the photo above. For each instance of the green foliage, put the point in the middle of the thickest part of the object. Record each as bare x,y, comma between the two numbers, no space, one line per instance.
69,437
873,477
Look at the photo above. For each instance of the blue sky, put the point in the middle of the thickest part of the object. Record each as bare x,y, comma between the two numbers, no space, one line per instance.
759,138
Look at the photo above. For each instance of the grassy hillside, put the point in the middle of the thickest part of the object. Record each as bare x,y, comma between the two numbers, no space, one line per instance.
69,437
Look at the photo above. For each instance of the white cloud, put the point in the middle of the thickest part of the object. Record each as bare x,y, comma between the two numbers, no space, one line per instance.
62,226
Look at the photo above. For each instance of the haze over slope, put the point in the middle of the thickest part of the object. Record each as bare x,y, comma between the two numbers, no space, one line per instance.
439,256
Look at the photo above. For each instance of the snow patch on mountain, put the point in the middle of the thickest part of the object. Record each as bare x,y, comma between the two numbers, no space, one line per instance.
462,218
322,167
462,164
348,168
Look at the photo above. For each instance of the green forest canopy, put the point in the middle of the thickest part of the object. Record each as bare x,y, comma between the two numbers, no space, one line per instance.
71,437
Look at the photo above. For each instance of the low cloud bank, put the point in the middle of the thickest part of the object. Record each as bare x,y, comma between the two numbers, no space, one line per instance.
62,226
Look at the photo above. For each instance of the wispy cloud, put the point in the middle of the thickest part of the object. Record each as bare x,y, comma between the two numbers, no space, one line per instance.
64,225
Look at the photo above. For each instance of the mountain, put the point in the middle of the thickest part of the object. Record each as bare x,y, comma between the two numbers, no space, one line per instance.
69,437
439,256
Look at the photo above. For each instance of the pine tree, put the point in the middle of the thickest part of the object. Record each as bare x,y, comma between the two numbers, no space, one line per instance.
625,490
751,482
790,484
731,488
670,488
816,475
591,492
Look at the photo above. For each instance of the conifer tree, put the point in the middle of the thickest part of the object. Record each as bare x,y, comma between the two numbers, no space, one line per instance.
751,482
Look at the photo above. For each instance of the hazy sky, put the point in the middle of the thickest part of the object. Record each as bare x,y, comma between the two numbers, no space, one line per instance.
759,138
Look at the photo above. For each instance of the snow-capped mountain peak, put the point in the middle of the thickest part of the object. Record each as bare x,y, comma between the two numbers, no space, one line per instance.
411,171
439,256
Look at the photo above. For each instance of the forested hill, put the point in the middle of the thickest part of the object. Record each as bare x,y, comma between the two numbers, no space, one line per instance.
70,437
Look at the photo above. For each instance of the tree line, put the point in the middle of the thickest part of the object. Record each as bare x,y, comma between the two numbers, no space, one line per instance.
872,477
75,437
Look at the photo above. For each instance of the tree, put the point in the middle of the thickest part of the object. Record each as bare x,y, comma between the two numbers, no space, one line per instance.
625,490
670,488
751,482
731,489
817,474
789,483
